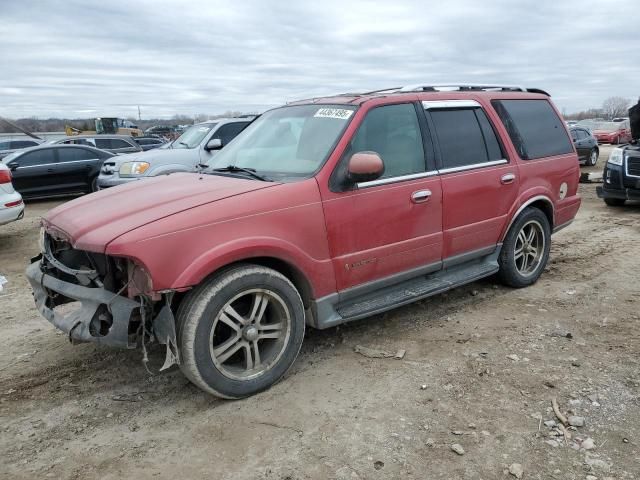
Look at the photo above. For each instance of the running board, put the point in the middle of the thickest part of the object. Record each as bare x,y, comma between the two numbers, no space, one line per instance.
331,313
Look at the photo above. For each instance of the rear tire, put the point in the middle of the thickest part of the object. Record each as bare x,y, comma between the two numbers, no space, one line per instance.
94,184
614,202
240,331
525,249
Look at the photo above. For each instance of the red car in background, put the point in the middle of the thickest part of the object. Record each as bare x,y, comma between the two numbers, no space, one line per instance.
612,132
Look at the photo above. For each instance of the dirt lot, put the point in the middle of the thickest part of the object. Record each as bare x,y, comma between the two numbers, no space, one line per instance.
482,364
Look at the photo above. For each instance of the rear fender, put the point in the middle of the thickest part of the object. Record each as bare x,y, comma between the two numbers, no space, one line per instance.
539,194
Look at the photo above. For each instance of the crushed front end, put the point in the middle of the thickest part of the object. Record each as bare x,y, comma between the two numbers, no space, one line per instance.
110,299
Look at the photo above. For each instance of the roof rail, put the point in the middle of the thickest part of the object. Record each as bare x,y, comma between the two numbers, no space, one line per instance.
465,87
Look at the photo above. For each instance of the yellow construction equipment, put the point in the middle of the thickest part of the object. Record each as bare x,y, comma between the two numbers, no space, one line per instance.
108,125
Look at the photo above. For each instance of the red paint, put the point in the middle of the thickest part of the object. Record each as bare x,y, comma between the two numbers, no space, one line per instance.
13,204
622,135
5,176
184,227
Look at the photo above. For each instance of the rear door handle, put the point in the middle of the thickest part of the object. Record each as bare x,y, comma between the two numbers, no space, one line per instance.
420,196
507,178
49,170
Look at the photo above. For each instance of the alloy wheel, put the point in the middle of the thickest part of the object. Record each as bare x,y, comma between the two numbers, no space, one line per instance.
250,334
529,248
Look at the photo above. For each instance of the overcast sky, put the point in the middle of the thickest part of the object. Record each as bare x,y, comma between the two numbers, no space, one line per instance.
75,59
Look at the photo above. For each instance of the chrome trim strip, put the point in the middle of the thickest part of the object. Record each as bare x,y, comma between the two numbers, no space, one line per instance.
401,178
473,166
59,163
625,159
429,104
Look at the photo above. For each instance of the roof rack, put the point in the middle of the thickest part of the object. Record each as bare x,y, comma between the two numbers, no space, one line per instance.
466,87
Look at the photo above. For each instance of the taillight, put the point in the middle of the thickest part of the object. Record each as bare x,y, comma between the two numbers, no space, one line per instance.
5,176
13,204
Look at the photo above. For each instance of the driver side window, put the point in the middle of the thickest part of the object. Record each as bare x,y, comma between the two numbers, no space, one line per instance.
393,132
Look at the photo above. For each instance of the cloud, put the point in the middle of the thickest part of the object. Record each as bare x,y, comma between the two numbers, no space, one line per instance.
212,56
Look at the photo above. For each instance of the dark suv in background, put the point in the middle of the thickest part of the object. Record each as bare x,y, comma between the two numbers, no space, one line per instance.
622,170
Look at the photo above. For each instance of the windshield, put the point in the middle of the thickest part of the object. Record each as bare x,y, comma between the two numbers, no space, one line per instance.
287,142
192,136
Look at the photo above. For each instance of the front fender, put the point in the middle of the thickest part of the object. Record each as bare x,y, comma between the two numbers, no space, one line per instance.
316,272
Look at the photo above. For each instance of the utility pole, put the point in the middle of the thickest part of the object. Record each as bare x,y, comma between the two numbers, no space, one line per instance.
139,113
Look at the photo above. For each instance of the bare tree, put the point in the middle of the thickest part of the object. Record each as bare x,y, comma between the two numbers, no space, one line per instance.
614,107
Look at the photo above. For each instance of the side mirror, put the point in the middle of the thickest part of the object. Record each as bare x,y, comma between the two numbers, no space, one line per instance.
365,167
214,144
12,166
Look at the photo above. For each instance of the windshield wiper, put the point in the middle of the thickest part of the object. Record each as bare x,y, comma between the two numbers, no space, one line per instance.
185,144
248,171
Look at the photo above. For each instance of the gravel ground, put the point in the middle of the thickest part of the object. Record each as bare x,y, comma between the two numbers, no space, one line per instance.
482,364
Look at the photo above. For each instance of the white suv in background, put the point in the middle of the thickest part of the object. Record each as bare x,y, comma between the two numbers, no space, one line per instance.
11,205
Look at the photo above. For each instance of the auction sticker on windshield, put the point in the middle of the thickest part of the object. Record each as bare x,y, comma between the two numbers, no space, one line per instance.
340,113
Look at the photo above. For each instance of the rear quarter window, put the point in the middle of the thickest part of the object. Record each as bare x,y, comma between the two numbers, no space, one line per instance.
534,128
104,143
118,143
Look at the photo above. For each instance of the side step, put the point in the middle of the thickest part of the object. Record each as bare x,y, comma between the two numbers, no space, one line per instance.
415,289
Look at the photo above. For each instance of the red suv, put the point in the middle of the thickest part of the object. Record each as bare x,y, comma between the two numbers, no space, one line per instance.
321,212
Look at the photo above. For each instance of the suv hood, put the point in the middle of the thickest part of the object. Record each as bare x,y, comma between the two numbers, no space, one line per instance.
92,221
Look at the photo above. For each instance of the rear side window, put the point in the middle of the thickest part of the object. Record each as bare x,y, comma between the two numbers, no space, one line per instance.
75,154
465,137
104,143
534,127
77,141
22,144
38,157
117,143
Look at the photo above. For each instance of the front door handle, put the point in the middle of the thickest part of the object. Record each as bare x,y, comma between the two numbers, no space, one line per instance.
420,196
507,178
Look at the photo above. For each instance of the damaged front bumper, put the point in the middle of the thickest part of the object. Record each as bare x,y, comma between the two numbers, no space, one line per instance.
76,291
85,323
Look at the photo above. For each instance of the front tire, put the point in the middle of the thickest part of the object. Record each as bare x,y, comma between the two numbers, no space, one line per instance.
525,250
593,157
240,331
94,185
